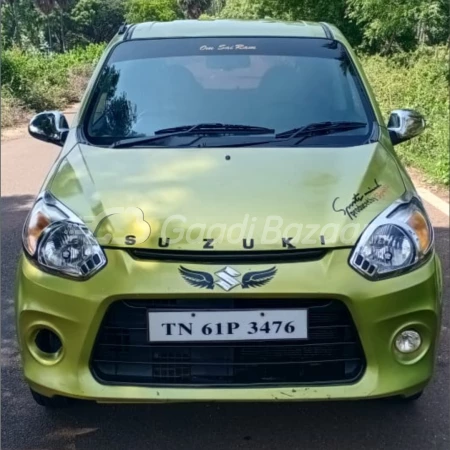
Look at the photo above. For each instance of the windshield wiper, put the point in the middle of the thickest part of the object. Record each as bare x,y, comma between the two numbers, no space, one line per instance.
185,130
319,128
302,133
218,128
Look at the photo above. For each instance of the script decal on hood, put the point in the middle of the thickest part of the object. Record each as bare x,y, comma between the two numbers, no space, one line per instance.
227,278
360,201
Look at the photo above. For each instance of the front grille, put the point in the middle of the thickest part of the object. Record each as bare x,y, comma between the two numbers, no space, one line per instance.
332,354
229,257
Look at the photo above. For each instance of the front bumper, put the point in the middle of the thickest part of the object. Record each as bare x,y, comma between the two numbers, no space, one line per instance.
75,310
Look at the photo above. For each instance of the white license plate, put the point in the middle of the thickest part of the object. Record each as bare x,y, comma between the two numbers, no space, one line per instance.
228,325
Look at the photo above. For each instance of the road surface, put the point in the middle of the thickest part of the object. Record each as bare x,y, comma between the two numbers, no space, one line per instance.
308,426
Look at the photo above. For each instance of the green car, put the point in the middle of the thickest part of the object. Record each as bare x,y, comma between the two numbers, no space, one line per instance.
228,221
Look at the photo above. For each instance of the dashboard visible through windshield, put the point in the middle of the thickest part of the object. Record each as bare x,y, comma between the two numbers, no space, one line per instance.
276,83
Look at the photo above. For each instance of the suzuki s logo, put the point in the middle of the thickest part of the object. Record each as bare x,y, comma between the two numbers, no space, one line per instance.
227,278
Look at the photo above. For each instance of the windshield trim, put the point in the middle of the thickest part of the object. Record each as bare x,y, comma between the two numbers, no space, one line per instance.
89,104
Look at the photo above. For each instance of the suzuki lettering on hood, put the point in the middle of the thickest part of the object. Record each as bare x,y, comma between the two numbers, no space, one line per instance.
261,200
227,278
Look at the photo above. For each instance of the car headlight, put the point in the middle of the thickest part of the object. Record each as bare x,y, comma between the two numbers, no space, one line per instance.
398,240
58,241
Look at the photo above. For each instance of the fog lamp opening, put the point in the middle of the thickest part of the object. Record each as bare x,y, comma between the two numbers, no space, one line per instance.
47,341
408,341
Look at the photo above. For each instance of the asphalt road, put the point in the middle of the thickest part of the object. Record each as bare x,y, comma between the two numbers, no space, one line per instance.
332,425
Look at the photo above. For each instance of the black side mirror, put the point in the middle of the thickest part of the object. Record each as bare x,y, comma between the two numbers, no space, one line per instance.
404,124
49,126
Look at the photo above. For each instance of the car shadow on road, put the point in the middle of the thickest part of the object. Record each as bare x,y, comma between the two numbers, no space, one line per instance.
14,210
226,426
364,424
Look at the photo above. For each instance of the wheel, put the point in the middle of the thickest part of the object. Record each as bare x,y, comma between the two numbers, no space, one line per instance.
50,402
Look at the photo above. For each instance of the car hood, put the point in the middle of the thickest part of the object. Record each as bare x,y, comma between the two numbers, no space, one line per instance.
228,198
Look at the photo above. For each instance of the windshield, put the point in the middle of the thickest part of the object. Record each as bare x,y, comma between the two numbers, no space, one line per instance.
276,83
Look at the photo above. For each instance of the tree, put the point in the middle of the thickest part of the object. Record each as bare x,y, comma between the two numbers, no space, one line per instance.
45,6
295,10
11,6
152,10
193,9
216,7
97,20
402,24
379,25
64,6
21,23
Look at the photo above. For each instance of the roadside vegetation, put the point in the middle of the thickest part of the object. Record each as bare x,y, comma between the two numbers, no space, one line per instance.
418,80
50,48
34,81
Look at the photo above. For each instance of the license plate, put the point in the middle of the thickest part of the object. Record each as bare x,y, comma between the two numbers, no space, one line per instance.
249,325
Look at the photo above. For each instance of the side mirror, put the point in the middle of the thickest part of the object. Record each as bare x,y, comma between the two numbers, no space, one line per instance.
49,126
404,124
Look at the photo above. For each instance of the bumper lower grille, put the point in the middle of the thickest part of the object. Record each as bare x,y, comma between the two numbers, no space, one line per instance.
331,355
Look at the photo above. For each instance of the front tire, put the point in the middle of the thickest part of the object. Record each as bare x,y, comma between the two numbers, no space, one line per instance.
50,402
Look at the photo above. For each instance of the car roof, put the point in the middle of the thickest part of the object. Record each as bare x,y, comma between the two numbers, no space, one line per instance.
219,28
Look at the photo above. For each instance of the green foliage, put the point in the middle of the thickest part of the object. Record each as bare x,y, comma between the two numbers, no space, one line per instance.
382,26
261,9
21,24
97,20
400,24
44,82
295,10
206,16
152,10
56,25
417,80
215,7
45,6
193,9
